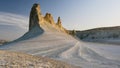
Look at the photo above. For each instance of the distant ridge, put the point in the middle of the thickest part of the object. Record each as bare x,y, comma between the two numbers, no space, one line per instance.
99,34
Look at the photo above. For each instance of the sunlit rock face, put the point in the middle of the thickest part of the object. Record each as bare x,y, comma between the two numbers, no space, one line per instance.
59,25
49,18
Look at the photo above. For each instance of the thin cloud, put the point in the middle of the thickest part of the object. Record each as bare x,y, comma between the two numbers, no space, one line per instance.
13,19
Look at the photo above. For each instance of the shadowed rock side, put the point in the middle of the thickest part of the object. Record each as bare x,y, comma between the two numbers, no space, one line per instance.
19,60
34,23
34,16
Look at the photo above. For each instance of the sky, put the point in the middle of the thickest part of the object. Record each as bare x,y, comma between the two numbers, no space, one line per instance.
75,14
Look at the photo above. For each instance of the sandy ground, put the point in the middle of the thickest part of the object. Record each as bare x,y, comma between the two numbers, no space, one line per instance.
20,60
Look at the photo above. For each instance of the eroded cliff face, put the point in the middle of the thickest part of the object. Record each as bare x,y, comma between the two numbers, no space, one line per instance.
37,19
34,19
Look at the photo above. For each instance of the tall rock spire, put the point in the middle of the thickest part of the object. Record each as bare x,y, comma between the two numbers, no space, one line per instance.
35,16
59,22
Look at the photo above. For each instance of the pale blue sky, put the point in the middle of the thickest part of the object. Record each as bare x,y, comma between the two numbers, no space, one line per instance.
75,14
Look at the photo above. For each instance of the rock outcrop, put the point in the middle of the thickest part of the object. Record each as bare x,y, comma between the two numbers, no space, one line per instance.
35,16
49,18
59,23
37,19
